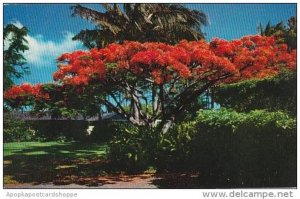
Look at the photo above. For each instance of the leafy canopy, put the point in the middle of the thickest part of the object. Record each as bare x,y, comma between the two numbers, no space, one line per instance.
275,93
163,77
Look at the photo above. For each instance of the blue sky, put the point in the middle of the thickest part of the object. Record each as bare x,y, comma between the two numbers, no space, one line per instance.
52,27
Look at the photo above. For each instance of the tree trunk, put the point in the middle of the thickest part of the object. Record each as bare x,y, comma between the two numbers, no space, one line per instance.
212,100
99,115
136,112
162,99
156,105
167,125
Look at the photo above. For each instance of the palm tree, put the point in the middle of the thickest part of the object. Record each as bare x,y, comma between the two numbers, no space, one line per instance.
168,23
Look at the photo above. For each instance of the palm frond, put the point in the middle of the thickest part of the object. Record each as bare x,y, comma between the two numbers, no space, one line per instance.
94,38
143,22
96,17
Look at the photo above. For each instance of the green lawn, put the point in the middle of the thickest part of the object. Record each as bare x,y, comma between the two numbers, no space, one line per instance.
58,162
80,150
74,162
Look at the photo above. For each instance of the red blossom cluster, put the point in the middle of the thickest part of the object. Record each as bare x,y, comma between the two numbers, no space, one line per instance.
248,57
255,56
251,56
25,91
83,64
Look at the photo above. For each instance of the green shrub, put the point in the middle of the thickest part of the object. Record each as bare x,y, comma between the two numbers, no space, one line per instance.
17,130
74,130
173,148
131,148
275,93
105,130
234,149
60,130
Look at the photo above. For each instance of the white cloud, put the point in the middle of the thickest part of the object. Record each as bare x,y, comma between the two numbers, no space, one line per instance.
44,52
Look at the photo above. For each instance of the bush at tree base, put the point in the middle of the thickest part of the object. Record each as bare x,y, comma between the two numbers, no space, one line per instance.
236,149
132,148
229,149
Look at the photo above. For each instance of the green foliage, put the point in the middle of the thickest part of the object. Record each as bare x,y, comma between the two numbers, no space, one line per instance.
13,59
69,130
191,109
132,148
66,102
17,130
276,93
234,121
104,130
282,33
173,149
231,149
60,130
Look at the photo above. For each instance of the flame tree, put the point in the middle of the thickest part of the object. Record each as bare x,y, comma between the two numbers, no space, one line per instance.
146,82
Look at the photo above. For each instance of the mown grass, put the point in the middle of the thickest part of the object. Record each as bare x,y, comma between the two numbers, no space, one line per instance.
80,150
58,162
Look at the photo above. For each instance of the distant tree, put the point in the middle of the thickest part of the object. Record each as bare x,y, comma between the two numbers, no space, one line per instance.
281,32
13,59
167,23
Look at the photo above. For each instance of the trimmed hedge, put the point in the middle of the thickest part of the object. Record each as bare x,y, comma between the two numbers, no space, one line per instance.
231,149
16,130
276,93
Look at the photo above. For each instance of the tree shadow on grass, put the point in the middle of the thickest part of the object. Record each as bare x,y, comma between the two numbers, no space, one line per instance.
58,163
86,164
27,165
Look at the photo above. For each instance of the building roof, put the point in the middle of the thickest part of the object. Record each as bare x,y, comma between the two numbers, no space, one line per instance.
29,116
